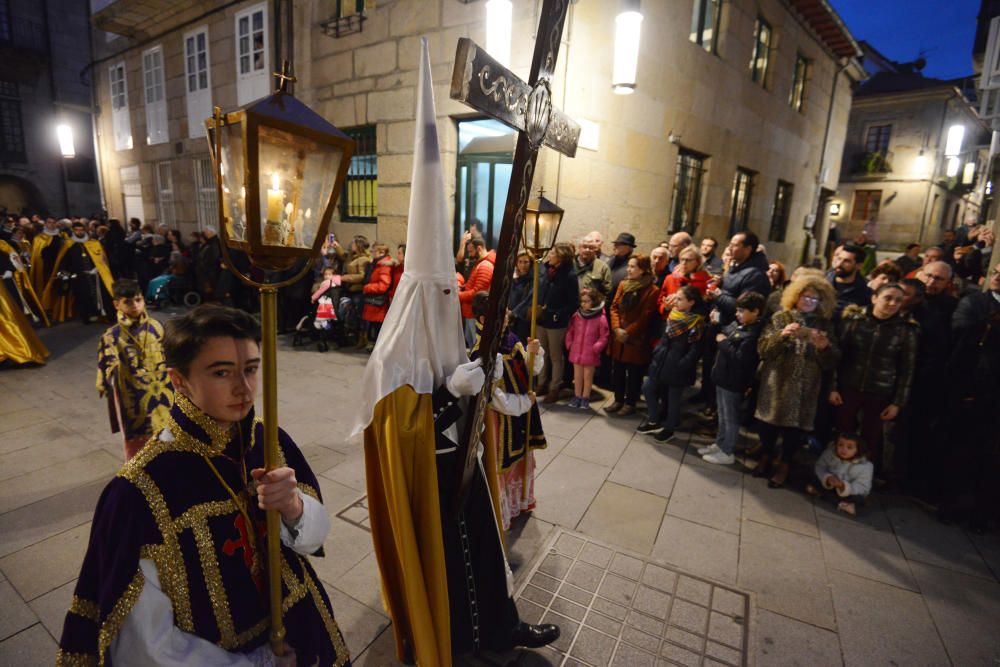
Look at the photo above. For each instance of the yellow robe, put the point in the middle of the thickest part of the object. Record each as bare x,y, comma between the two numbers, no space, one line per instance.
37,271
18,341
62,305
403,505
23,281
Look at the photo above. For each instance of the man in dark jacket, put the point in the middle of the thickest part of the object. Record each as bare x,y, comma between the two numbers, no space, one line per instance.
208,265
733,374
846,278
974,460
747,273
624,246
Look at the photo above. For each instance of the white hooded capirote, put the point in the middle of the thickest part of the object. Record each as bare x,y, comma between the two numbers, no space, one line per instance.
421,341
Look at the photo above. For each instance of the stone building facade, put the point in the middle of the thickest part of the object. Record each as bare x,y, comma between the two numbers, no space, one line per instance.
900,179
44,83
707,142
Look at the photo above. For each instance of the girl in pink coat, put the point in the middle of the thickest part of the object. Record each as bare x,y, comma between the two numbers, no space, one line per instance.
586,339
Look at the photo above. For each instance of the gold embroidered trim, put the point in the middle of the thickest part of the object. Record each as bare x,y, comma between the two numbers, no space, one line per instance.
200,513
331,625
213,583
219,435
66,659
308,490
168,557
114,621
85,608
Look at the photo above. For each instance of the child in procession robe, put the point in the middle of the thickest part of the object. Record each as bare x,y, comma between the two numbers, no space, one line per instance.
174,572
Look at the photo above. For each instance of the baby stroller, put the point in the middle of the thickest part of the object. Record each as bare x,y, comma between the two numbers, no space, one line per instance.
321,325
170,289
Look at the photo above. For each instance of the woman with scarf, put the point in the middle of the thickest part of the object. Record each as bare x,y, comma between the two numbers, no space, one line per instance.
558,299
632,310
690,271
796,349
674,362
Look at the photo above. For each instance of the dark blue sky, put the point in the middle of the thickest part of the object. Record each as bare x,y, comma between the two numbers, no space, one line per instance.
900,29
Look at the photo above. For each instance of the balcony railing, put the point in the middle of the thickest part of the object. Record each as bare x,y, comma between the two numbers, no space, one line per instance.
25,36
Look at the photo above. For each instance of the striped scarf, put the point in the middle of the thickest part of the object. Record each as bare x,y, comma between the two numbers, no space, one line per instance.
680,323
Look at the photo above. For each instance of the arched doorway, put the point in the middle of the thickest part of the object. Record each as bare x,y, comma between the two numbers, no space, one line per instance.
19,195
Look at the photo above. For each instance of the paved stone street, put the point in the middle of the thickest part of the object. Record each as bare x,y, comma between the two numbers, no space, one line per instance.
894,587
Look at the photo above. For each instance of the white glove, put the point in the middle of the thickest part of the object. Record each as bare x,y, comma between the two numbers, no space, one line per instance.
498,368
467,379
6,275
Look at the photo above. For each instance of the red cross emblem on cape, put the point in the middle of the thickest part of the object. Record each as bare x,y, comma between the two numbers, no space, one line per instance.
246,543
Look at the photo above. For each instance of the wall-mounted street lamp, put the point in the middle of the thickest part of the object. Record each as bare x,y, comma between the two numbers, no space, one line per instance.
65,135
953,145
951,169
628,26
499,19
835,209
920,163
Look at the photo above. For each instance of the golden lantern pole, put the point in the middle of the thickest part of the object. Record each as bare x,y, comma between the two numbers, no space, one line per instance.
269,364
536,264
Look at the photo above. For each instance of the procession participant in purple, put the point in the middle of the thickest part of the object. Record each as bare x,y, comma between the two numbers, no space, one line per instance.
175,570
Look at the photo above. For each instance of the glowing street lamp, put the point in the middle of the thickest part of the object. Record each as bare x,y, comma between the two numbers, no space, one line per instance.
65,135
628,25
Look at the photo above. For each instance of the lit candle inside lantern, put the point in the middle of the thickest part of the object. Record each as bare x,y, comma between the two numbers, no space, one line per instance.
275,199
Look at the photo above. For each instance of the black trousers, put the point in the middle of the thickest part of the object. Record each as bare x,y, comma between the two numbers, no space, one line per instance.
627,382
791,441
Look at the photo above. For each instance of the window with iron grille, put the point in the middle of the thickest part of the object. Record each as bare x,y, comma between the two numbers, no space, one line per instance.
779,216
4,21
797,98
165,194
739,216
204,188
11,128
705,24
359,198
877,138
687,192
866,205
761,52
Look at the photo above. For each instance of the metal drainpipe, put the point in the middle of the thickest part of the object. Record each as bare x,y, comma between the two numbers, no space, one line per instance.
810,234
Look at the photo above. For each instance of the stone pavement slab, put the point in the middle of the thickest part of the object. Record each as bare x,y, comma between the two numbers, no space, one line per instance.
51,608
786,642
786,571
782,508
600,441
927,540
881,624
59,477
648,467
53,515
966,612
16,614
624,517
699,549
33,646
566,488
868,553
711,497
554,445
62,555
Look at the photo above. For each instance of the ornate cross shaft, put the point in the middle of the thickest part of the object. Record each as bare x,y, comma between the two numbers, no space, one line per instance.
489,87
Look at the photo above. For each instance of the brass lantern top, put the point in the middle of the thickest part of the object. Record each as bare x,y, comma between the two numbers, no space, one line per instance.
542,218
282,167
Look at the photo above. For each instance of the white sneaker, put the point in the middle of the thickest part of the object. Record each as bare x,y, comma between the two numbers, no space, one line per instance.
720,457
709,449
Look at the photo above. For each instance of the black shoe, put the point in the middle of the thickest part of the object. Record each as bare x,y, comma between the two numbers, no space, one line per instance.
648,427
664,435
534,636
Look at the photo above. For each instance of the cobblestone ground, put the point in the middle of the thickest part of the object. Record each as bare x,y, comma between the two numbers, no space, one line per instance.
893,587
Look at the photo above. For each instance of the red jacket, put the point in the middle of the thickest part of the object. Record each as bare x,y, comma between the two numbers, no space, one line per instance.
397,274
677,280
379,284
479,281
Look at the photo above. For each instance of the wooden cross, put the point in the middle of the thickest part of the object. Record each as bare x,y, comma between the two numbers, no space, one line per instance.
489,87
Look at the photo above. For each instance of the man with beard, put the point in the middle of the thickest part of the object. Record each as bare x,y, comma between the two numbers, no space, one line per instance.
81,279
713,264
846,278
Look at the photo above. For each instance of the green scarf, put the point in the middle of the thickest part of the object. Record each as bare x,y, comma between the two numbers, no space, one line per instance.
680,323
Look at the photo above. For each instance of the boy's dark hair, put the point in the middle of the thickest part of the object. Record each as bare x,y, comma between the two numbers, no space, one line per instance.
858,441
185,335
751,301
479,301
124,288
401,246
477,242
857,251
911,246
691,293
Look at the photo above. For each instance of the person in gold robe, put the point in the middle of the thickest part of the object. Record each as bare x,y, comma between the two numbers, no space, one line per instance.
445,580
80,284
19,344
45,247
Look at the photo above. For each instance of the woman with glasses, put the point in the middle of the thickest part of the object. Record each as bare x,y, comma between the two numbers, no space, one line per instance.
690,270
797,347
